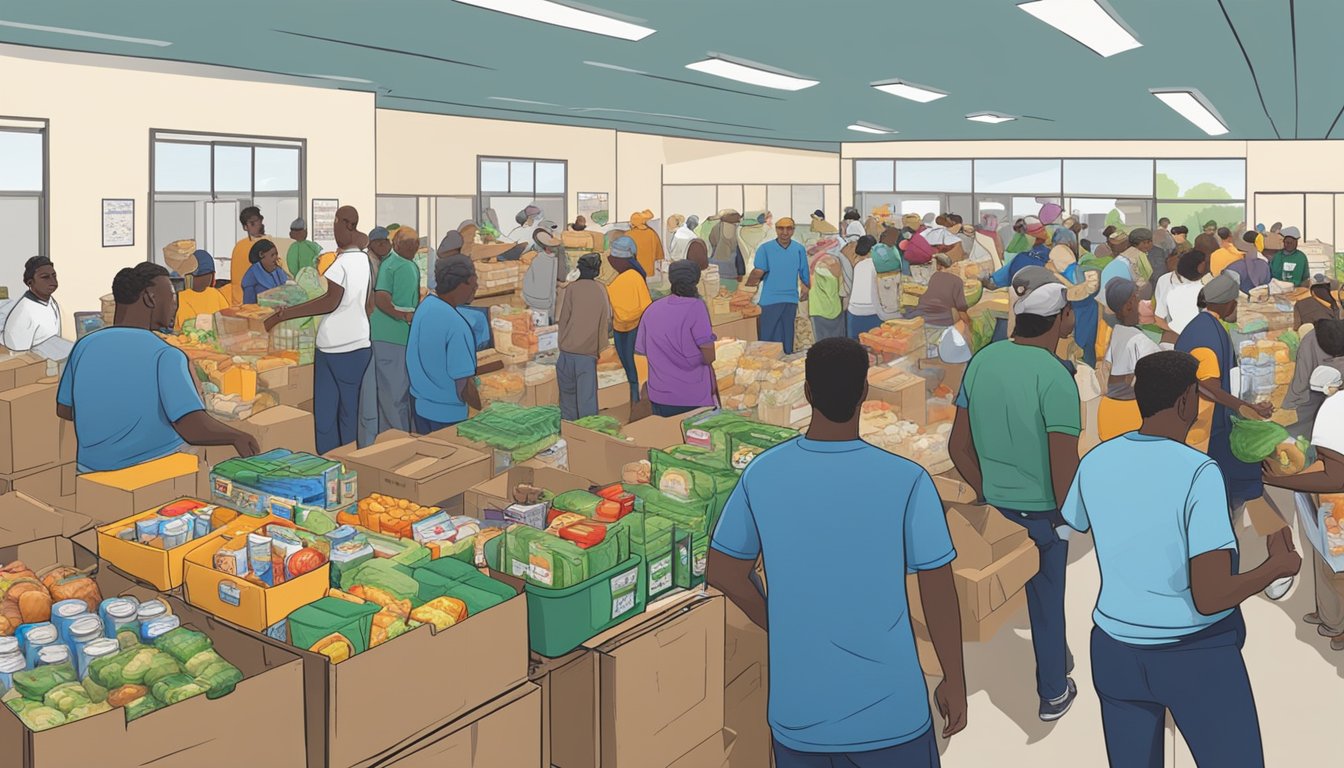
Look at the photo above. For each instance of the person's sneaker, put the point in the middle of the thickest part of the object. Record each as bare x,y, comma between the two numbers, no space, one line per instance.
1325,631
1053,710
1068,665
1337,644
1313,619
1279,589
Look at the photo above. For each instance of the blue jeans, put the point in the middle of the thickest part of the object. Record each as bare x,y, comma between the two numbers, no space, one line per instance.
1200,679
862,324
920,752
668,411
624,341
1045,602
776,324
424,426
576,376
336,384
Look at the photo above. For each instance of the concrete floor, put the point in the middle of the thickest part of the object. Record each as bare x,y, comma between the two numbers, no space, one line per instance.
1298,683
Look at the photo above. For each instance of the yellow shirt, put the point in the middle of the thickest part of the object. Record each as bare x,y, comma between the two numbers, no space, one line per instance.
192,303
1223,257
238,265
629,294
324,261
1200,431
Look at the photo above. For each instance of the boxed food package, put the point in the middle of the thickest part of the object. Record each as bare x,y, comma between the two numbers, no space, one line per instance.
902,390
518,431
29,428
185,676
282,482
499,492
110,496
423,470
152,545
600,457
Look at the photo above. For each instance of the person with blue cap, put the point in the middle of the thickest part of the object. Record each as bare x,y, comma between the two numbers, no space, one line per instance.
629,295
200,297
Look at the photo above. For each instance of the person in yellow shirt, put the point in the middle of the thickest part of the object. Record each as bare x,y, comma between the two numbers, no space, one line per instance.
629,295
650,247
200,297
1227,254
254,224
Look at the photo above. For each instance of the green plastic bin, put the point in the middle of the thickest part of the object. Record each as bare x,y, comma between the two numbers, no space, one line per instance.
560,620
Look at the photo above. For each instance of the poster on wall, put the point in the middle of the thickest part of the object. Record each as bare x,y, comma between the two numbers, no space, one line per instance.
323,224
118,222
593,206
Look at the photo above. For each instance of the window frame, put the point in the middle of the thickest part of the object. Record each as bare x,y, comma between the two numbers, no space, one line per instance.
510,191
42,127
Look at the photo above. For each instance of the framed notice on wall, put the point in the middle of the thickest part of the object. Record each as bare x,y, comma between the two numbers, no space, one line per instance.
118,222
322,227
593,206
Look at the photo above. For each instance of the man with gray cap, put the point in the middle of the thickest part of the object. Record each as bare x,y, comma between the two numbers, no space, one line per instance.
585,330
1290,264
1015,442
1206,338
302,252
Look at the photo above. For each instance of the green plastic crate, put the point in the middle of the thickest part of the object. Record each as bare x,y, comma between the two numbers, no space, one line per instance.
560,620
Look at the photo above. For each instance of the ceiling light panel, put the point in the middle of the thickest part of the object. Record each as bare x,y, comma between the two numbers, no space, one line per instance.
1192,105
992,118
561,15
920,93
84,33
1090,22
751,74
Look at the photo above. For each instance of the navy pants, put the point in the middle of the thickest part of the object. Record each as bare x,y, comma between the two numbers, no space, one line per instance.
1045,602
861,324
624,341
1201,679
776,324
425,426
336,383
668,411
921,752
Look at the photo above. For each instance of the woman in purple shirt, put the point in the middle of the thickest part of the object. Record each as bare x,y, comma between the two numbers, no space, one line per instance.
676,336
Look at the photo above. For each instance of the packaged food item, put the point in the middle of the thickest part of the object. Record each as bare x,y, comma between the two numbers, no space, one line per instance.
34,637
478,549
64,613
441,612
93,650
341,535
53,654
147,530
156,628
231,558
586,534
9,664
560,519
259,557
117,612
175,533
532,515
284,544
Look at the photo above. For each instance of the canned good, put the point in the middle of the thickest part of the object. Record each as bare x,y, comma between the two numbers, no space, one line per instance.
147,529
64,612
35,637
95,649
151,609
152,630
9,664
53,654
9,645
175,533
117,612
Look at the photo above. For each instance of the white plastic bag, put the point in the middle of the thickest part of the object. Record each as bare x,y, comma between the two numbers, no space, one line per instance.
953,348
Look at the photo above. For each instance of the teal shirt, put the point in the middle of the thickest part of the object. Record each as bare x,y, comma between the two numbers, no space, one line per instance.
1015,396
1289,266
401,278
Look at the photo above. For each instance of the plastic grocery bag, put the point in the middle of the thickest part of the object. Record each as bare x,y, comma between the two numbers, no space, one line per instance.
953,347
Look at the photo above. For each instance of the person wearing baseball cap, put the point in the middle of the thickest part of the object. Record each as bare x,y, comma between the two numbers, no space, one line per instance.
302,252
1206,338
1290,264
780,265
1015,441
1037,256
200,296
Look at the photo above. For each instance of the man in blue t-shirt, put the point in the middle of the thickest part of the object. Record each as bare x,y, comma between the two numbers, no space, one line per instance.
129,392
441,350
845,683
1169,631
779,266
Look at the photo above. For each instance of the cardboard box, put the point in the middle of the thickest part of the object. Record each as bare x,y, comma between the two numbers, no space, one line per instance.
982,535
952,372
502,733
497,492
745,701
157,567
600,457
736,327
291,385
718,751
69,444
109,496
990,596
55,486
265,711
545,393
283,426
569,707
379,703
613,397
239,601
29,428
745,645
909,398
20,369
425,470
24,519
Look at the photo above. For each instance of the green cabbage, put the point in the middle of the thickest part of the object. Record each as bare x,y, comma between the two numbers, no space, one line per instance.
1293,341
1253,441
183,643
34,683
176,688
41,718
88,710
66,697
141,707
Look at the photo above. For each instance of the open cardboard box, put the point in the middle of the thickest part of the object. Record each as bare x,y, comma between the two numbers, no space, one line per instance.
635,698
981,535
54,486
30,430
19,369
157,567
420,469
379,702
235,599
109,496
988,598
24,518
497,492
504,732
264,711
601,457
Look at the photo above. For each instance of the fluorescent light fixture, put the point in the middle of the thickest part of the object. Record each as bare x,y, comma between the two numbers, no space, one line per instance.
921,93
863,127
561,15
83,33
993,118
1191,104
1090,22
523,101
751,73
337,77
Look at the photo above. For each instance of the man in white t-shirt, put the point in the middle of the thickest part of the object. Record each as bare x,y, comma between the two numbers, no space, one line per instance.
36,316
343,344
1176,295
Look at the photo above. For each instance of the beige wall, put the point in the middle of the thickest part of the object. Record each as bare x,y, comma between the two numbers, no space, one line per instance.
98,146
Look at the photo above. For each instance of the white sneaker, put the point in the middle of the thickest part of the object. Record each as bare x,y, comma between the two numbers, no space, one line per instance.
1279,589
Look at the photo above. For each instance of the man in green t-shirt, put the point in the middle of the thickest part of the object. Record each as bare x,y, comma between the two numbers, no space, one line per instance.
1290,264
303,252
396,294
1015,442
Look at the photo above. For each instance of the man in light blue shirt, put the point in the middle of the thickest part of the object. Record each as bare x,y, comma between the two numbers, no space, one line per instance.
779,266
845,682
129,392
1169,631
441,350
